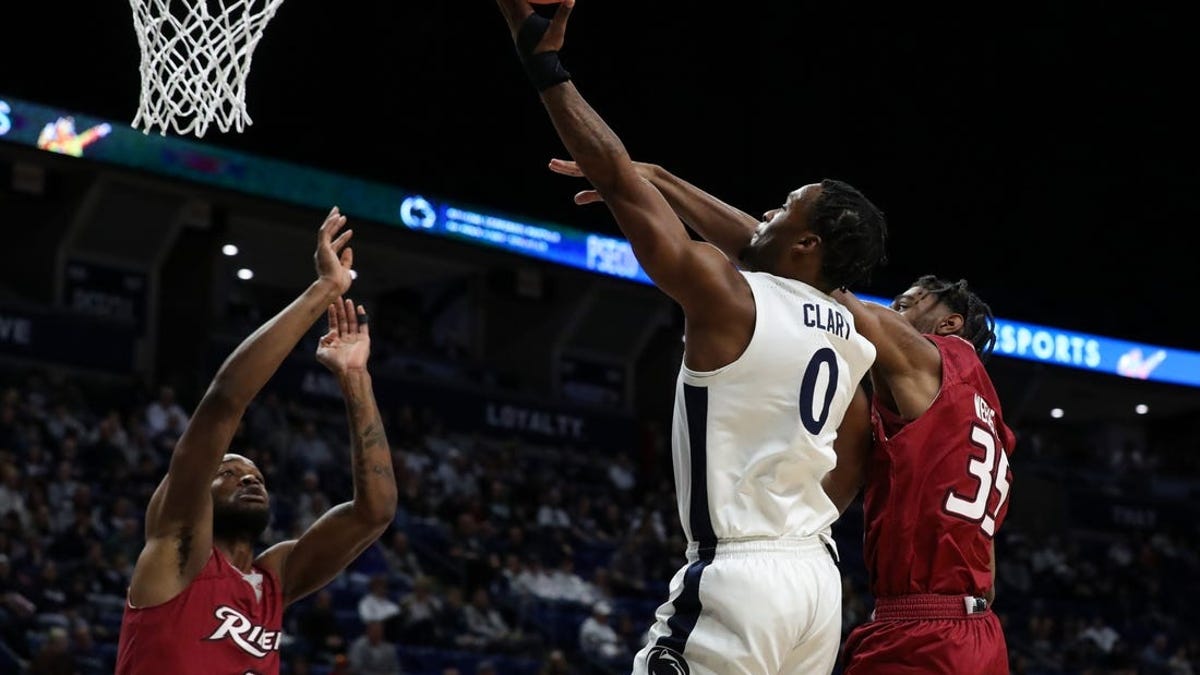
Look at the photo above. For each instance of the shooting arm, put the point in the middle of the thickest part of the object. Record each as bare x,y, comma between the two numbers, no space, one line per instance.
690,272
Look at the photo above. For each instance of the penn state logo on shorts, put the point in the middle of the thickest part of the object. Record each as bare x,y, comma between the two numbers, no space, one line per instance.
665,661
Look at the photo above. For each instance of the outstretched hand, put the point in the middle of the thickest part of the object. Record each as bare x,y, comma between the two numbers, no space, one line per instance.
516,11
571,168
347,345
334,258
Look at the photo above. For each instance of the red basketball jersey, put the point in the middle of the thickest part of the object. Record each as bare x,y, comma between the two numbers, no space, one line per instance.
223,623
937,487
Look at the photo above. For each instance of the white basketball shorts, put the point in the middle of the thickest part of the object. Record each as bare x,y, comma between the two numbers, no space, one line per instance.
749,607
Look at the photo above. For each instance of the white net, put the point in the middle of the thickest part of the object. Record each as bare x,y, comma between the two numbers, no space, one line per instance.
195,59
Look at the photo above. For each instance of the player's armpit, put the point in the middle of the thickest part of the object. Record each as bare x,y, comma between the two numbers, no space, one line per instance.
179,516
167,565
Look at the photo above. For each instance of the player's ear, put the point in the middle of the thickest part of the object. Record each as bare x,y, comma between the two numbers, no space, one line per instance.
807,243
950,324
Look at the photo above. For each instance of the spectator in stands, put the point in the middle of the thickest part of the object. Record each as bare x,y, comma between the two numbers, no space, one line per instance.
452,627
621,473
300,665
55,657
84,649
456,475
311,491
9,428
268,422
49,595
313,506
402,562
164,413
486,623
37,463
1179,663
598,640
568,585
611,524
16,611
551,514
62,489
628,569
60,422
319,628
126,541
372,654
1154,658
1101,634
601,585
378,606
12,497
420,609
556,664
310,448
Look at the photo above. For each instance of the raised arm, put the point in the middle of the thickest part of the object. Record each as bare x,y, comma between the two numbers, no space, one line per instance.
179,516
720,224
342,533
695,274
909,364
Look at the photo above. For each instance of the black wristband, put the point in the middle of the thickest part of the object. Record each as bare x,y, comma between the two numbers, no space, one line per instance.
545,69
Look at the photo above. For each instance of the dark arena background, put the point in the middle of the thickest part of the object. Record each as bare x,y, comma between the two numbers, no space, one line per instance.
524,368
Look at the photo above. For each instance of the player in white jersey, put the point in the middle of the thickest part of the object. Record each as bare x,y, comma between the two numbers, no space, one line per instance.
770,379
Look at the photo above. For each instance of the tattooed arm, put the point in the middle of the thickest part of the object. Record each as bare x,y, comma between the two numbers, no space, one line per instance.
338,537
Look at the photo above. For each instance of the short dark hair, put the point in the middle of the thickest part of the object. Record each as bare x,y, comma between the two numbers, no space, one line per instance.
853,231
979,325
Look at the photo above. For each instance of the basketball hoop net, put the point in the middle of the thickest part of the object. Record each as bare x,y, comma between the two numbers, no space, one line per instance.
195,62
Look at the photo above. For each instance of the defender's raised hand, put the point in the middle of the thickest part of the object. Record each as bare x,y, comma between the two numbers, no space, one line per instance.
334,258
567,167
347,345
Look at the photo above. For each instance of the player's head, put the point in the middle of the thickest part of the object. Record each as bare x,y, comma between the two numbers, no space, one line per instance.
241,505
826,234
939,307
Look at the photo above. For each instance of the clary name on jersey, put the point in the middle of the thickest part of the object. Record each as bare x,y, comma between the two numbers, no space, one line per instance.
826,318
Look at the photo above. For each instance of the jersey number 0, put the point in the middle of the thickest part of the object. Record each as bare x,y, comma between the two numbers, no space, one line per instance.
815,420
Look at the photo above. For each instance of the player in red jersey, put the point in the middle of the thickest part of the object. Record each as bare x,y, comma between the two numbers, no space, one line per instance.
937,475
936,486
201,601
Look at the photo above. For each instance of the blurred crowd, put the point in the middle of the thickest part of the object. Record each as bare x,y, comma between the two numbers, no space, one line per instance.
504,557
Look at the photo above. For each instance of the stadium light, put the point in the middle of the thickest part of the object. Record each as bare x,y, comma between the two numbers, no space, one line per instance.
353,274
1056,413
245,274
1142,409
229,249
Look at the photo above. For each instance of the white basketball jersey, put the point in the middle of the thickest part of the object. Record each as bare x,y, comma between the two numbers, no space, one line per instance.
752,440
